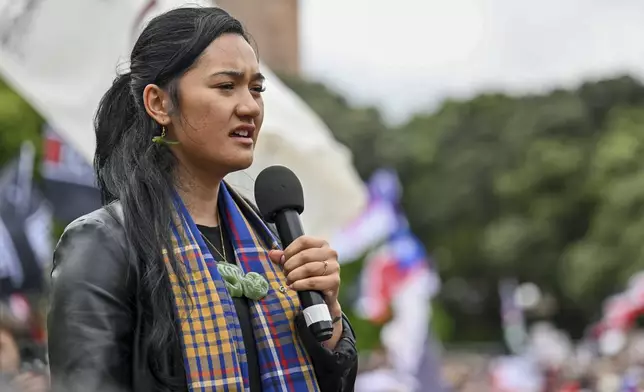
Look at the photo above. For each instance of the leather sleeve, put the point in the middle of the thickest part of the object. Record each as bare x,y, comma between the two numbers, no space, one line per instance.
90,321
335,370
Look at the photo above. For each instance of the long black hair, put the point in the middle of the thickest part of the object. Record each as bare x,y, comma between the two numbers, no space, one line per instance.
132,169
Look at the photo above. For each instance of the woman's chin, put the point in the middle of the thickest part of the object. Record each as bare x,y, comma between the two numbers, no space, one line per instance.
228,161
240,163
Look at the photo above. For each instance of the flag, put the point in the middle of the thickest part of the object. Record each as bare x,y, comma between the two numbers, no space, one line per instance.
429,370
398,255
26,239
398,282
512,317
384,185
10,269
377,282
619,311
635,290
391,267
25,228
63,72
374,226
406,335
69,182
376,223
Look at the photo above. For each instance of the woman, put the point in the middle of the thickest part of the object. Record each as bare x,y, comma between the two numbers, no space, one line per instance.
177,284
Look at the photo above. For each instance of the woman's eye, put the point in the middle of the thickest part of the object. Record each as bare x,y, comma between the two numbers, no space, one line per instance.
227,86
259,89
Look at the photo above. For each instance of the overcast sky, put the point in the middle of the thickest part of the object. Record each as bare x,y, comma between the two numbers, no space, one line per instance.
407,55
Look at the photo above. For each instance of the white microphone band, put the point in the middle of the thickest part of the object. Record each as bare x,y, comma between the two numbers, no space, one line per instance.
316,313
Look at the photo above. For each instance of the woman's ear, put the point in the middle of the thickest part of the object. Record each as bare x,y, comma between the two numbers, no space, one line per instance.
156,103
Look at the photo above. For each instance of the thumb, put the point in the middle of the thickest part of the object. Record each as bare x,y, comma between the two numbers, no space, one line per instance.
276,256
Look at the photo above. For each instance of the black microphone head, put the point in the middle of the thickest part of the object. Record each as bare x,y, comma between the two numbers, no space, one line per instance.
277,188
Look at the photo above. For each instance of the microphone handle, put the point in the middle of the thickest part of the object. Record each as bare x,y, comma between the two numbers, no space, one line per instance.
316,312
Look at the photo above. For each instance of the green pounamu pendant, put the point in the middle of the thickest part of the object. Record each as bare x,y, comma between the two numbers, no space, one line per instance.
232,276
255,286
252,285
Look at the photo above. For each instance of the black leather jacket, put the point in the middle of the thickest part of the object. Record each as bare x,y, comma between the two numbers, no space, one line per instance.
95,319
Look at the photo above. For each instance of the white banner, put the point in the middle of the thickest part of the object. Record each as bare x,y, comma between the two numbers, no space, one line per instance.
62,55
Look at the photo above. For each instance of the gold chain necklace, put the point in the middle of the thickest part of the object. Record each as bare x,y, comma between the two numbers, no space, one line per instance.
221,238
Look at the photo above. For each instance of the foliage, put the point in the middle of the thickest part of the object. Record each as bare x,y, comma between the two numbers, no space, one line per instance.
547,188
18,122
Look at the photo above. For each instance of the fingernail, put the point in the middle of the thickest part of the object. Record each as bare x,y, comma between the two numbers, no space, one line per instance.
282,259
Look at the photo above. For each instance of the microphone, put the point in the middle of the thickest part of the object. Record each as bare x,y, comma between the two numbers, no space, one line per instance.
280,199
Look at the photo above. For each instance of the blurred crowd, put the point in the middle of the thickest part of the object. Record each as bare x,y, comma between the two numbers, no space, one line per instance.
23,365
550,363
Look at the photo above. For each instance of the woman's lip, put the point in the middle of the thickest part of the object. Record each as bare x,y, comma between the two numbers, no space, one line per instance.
247,141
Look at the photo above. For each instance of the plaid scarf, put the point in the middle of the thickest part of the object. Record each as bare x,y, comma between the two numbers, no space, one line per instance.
213,348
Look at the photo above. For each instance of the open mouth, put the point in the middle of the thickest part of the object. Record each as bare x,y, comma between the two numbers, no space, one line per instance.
244,134
245,131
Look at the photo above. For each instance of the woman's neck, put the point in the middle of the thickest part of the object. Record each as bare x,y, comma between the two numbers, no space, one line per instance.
199,192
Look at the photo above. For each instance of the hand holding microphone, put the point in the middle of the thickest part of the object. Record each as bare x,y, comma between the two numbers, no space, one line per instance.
310,265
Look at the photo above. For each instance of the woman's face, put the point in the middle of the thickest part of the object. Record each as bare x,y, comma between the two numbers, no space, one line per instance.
221,108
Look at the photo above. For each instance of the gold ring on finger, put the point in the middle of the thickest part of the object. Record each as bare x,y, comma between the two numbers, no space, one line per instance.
326,265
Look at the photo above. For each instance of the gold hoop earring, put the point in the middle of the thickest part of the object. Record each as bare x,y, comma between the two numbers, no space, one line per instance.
161,140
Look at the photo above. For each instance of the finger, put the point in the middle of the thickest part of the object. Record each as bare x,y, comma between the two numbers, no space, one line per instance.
307,256
303,242
311,270
276,256
317,283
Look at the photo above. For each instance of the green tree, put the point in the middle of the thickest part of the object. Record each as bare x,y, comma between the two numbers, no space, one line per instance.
536,187
612,249
509,187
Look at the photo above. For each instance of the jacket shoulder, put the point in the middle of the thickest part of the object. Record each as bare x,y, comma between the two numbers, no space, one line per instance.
109,217
92,244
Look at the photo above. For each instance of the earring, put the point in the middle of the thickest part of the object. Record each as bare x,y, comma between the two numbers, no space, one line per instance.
162,140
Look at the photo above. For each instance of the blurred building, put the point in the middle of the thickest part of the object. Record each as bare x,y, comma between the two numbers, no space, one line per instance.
274,27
